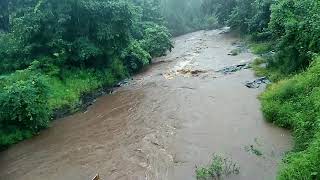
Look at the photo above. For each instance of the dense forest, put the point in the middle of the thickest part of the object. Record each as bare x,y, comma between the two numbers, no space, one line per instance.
54,51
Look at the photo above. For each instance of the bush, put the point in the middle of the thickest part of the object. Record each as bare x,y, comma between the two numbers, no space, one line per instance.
23,107
157,40
211,22
261,48
295,23
302,165
72,33
135,57
67,92
220,8
294,103
251,16
241,14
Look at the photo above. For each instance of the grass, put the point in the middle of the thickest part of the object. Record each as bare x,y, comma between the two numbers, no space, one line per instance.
67,92
294,103
261,69
260,47
218,168
64,90
261,65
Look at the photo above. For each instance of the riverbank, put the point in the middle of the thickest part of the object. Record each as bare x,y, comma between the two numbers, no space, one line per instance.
291,102
173,116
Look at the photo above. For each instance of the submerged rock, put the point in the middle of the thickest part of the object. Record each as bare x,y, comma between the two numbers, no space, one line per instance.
124,82
191,72
239,47
258,82
234,68
234,52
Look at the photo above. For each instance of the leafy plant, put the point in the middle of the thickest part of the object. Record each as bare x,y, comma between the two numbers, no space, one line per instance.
23,107
218,168
296,26
252,149
157,40
135,57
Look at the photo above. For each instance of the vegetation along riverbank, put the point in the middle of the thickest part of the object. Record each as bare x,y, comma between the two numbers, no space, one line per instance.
52,52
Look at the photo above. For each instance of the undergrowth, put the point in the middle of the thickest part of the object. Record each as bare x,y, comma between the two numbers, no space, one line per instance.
294,103
219,167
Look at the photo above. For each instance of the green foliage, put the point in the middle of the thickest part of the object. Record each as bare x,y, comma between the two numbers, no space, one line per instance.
67,92
211,22
251,16
218,168
294,103
261,48
222,9
302,165
296,26
64,49
23,107
157,40
183,16
239,18
151,11
54,28
4,15
135,57
258,23
252,149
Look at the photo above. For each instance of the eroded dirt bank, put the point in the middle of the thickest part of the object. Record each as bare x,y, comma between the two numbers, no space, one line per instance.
168,119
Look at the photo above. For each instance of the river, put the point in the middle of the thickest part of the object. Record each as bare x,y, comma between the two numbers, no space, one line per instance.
169,119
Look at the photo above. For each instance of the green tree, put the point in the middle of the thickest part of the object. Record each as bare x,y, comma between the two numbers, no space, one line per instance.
4,15
295,24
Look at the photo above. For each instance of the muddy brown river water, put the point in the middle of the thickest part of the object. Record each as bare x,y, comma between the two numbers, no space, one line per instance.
168,119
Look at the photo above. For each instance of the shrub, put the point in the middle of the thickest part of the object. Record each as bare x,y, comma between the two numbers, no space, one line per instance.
23,107
295,23
67,92
294,103
135,57
72,33
211,22
78,46
218,168
157,40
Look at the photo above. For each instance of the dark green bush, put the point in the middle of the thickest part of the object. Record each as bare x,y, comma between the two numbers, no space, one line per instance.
251,16
23,107
78,46
157,40
222,9
295,23
211,22
135,57
72,33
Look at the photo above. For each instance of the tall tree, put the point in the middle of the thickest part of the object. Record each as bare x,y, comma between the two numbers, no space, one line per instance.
4,15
